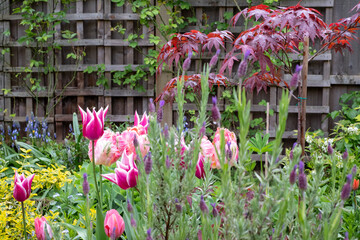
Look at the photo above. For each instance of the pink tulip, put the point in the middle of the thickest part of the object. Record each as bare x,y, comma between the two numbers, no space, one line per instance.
140,126
208,152
22,187
126,172
200,172
231,145
93,123
106,152
40,225
125,142
114,224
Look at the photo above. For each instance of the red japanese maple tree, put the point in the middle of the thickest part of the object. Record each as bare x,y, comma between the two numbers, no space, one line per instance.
280,32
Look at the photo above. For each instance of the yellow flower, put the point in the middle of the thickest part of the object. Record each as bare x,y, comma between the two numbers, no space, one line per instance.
25,150
25,156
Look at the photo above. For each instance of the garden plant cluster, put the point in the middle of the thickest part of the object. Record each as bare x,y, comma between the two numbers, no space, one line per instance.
149,180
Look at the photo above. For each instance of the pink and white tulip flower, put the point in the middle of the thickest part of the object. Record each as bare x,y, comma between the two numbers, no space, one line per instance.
114,224
93,122
200,172
126,172
106,152
230,145
41,227
22,187
125,142
140,126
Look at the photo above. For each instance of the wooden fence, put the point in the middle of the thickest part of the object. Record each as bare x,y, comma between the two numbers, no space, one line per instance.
330,74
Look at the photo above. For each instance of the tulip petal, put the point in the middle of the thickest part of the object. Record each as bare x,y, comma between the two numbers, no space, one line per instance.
145,120
110,176
20,193
94,129
136,119
121,178
131,177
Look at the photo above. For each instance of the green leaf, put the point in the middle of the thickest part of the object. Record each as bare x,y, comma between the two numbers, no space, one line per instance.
80,231
76,126
100,232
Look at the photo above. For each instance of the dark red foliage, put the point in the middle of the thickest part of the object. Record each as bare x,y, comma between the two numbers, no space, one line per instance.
280,32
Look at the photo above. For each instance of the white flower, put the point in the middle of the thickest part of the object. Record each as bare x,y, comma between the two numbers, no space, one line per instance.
309,139
56,195
352,130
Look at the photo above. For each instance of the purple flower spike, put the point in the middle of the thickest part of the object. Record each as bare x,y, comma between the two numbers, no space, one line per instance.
330,149
346,236
133,221
178,205
129,206
292,178
202,130
167,162
148,163
298,68
215,110
354,171
302,181
345,155
148,237
349,178
203,206
215,212
160,111
214,59
301,167
166,131
86,187
247,54
345,192
151,105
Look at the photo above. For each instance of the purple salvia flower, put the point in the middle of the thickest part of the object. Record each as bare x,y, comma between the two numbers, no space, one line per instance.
160,111
320,216
133,221
302,181
187,62
301,167
295,78
148,237
345,155
330,149
277,160
148,163
167,162
214,59
291,156
86,187
202,130
349,178
353,171
215,110
129,206
215,212
178,205
247,54
151,105
203,206
189,200
292,178
345,192
166,131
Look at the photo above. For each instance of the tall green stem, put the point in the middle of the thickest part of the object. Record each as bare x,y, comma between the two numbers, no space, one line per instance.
101,189
94,170
24,223
87,216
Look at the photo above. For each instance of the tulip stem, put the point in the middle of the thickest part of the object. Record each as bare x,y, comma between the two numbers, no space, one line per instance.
101,189
95,181
24,223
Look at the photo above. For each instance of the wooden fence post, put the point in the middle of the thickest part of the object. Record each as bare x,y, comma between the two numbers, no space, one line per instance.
302,100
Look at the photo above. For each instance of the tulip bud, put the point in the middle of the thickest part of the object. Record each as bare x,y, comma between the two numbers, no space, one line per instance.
93,123
42,229
86,187
151,105
160,111
200,172
215,110
330,149
302,181
203,206
167,162
187,62
355,184
345,155
215,212
133,221
114,224
214,59
292,178
148,237
22,187
178,205
129,206
148,163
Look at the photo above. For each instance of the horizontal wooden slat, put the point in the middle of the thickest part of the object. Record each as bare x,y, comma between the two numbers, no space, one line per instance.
83,42
345,79
27,94
313,81
244,3
191,106
128,93
292,109
321,57
80,92
71,68
86,17
111,118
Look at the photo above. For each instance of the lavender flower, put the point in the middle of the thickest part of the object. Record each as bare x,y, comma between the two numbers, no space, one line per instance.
346,236
292,178
215,110
167,162
295,78
214,59
160,111
215,212
345,155
151,105
241,72
228,150
330,149
202,130
166,131
353,171
135,141
203,206
133,221
129,206
301,167
345,192
86,187
148,237
302,181
148,163
178,205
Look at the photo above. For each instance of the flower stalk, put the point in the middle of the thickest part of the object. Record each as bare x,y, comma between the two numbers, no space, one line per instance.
24,222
